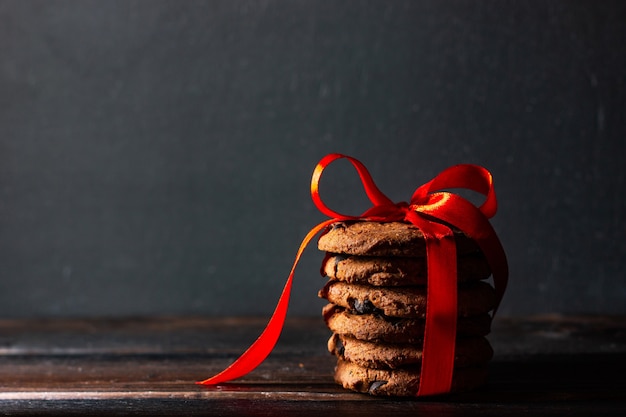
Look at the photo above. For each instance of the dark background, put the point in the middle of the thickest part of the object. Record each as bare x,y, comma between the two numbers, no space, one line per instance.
155,156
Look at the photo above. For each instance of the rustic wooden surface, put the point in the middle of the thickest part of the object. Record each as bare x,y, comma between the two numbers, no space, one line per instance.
543,366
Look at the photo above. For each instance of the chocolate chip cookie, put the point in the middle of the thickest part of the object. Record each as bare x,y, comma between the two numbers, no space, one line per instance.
401,382
380,328
366,238
409,302
396,271
468,351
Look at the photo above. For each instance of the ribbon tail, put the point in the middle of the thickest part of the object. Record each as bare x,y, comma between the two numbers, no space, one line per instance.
264,344
441,316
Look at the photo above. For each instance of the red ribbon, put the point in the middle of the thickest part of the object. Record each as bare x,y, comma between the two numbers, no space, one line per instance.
433,211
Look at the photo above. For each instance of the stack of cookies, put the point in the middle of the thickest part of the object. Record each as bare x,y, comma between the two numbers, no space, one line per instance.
377,307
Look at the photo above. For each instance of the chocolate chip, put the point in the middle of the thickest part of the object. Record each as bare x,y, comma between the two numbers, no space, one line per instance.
362,306
339,258
375,385
340,348
337,225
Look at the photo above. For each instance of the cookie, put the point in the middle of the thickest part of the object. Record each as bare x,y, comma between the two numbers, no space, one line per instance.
410,302
376,327
401,382
366,238
468,351
396,271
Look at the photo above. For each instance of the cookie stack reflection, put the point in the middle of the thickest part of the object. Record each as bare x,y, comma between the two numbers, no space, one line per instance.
376,291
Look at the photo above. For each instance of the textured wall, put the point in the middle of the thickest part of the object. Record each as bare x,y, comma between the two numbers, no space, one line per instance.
155,156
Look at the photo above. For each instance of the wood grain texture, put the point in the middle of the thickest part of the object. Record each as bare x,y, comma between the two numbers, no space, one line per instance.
552,365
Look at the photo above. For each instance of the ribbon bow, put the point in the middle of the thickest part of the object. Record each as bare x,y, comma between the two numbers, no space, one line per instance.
434,212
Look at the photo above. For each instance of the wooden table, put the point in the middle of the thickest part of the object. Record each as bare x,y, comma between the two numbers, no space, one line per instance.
544,366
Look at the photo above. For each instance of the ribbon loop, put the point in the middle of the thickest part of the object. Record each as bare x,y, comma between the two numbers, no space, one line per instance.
373,193
468,176
434,210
